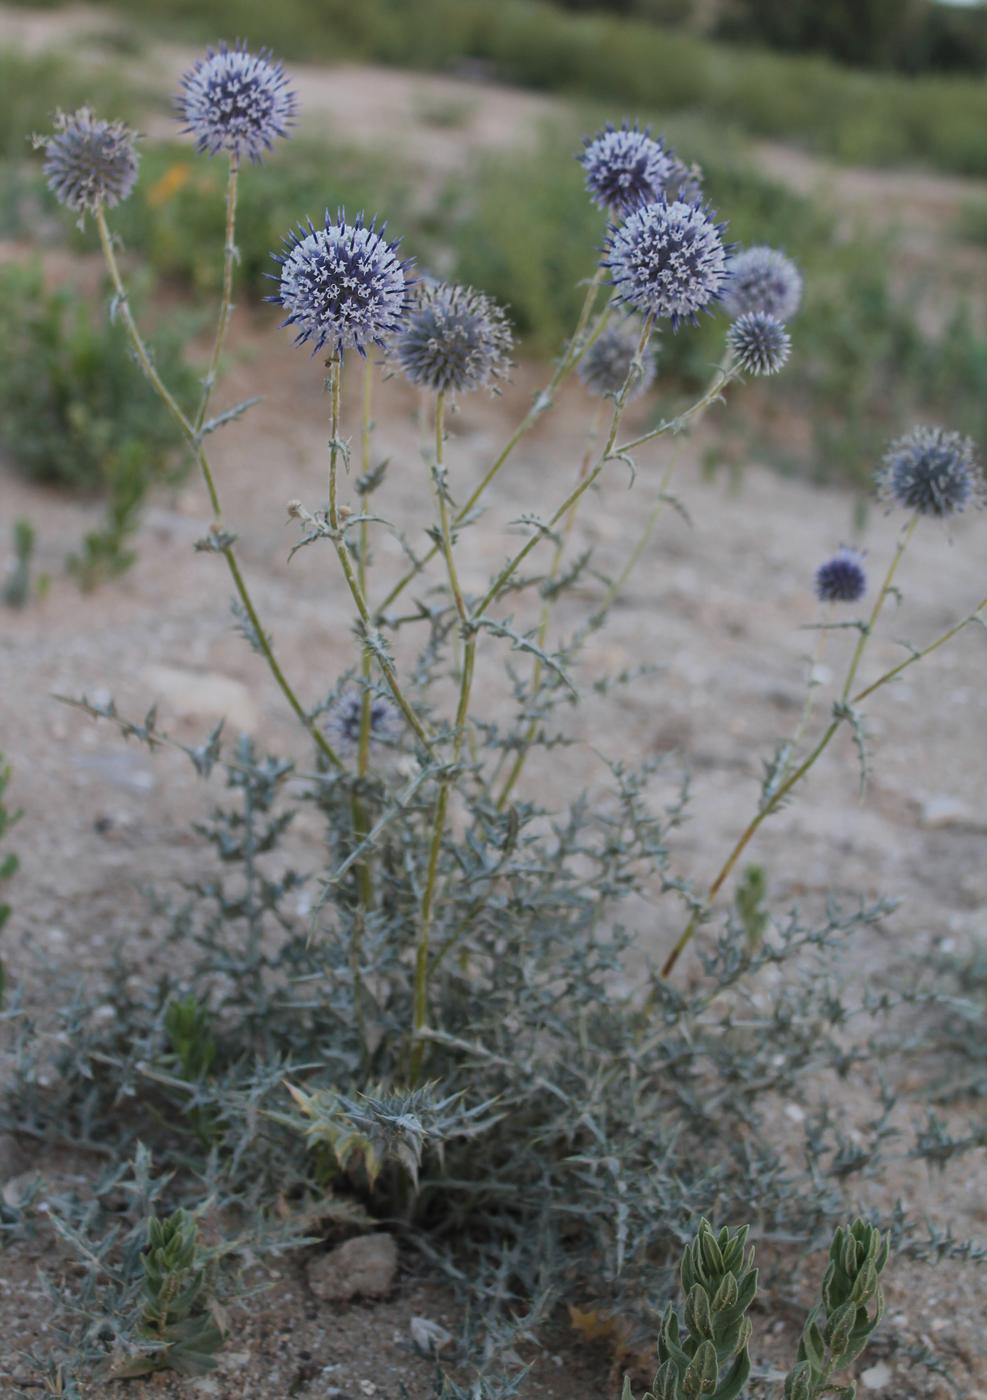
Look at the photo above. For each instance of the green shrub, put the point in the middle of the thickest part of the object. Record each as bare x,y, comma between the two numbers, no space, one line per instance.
71,411
847,114
176,214
32,86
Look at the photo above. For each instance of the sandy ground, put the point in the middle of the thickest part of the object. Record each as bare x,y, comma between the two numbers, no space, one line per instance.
716,607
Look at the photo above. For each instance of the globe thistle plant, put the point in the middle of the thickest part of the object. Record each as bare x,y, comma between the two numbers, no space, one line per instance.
626,167
762,279
667,260
89,163
343,718
759,343
342,284
455,339
842,578
606,364
236,101
932,472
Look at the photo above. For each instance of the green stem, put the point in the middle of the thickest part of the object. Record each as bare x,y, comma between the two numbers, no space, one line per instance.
575,348
334,366
724,376
462,711
505,575
865,632
195,445
364,871
226,303
634,558
778,796
538,669
941,640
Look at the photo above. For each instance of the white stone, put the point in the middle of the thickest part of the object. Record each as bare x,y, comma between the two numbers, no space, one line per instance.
201,695
363,1267
877,1377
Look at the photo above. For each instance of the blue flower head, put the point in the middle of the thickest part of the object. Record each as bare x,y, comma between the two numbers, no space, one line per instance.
841,579
667,260
759,343
606,364
762,279
931,471
342,284
89,163
454,339
344,715
236,101
626,167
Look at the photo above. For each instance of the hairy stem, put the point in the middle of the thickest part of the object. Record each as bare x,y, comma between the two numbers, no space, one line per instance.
538,668
363,870
226,302
334,366
574,350
194,442
589,480
462,711
781,792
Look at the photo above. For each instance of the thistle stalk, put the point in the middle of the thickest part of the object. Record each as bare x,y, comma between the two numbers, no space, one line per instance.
462,710
840,714
226,302
336,448
363,870
575,348
194,441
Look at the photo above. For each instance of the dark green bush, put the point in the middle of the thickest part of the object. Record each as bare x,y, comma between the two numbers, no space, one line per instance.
32,86
72,409
175,218
794,97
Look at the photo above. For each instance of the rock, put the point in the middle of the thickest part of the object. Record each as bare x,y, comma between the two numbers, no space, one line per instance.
361,1268
944,811
21,1190
876,1377
202,695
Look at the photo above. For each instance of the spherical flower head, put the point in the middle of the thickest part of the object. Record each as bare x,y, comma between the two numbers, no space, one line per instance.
759,343
842,579
933,472
342,724
605,366
236,101
454,339
762,279
342,285
625,167
667,260
89,163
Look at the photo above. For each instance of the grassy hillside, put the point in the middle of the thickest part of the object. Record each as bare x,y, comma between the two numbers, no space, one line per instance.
850,115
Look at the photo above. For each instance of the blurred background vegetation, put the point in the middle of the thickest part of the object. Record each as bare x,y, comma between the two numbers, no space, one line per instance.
894,323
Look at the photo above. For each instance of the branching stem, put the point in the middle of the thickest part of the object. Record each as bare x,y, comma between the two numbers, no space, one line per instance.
194,442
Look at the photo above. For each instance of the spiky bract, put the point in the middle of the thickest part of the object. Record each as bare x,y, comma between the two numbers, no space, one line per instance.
931,471
762,279
236,101
759,343
90,163
606,364
626,167
667,260
455,339
842,578
342,284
